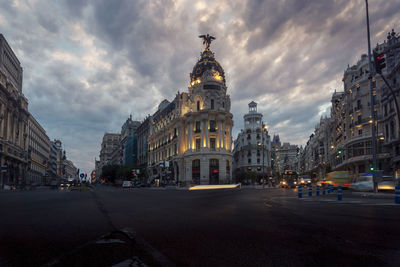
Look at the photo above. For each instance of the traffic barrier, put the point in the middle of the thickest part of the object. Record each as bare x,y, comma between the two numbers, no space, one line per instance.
397,194
310,190
323,189
300,191
339,193
317,190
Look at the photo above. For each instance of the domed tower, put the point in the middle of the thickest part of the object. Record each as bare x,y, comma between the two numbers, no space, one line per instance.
207,142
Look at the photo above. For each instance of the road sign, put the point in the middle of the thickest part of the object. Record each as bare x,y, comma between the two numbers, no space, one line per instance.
82,175
4,168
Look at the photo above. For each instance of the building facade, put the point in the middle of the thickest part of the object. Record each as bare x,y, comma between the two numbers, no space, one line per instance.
390,121
351,139
142,133
110,143
252,150
38,153
284,156
52,166
129,142
13,119
193,133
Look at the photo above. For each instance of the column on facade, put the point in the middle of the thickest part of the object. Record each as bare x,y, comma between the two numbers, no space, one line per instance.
190,134
8,136
219,133
207,140
186,132
223,134
230,138
203,129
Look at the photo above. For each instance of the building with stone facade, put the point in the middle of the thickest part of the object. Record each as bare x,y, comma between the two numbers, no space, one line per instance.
52,166
38,153
252,149
110,143
192,134
390,121
13,119
284,156
314,157
129,142
352,122
142,133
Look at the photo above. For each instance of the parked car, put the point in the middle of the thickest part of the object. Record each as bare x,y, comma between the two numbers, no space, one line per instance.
127,184
53,184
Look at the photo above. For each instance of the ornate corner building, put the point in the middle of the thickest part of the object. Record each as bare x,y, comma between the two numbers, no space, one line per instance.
190,139
13,118
252,150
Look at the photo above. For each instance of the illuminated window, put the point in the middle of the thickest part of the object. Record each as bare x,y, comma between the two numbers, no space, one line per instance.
212,144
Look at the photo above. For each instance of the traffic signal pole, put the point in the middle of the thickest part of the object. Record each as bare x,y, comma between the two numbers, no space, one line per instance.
373,134
394,98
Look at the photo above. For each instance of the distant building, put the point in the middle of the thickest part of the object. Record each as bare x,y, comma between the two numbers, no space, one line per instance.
108,154
129,142
252,150
285,156
52,166
13,119
38,153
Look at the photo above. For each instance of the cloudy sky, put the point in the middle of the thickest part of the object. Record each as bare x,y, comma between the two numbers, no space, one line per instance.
89,64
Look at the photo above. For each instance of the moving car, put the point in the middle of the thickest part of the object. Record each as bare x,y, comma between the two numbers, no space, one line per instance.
363,183
342,178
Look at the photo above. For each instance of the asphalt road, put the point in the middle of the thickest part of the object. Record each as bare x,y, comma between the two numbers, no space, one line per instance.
247,227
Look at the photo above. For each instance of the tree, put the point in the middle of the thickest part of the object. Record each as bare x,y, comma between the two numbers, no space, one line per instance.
109,172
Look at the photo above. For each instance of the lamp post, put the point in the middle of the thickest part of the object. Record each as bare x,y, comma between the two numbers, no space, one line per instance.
263,151
372,104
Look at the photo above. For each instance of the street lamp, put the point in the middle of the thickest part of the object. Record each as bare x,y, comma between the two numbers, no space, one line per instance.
264,127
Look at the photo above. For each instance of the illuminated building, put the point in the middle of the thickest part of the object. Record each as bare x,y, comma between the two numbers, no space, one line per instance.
190,138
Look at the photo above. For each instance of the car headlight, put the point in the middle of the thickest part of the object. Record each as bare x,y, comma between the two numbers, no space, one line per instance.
295,182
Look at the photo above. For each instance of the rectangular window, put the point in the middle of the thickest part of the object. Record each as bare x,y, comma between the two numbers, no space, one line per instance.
212,126
198,142
212,144
198,130
360,132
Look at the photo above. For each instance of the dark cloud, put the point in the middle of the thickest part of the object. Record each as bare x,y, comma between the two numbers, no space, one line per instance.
89,64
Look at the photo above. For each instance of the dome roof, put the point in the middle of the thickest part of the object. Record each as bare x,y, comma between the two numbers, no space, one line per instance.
206,62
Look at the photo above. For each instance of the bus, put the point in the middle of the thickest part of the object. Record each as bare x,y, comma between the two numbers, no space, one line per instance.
336,178
289,179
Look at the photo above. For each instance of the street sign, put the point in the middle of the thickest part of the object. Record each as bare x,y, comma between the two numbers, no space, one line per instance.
82,175
4,168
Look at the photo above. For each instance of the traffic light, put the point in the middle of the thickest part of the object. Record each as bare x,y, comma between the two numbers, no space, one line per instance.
371,168
339,151
379,62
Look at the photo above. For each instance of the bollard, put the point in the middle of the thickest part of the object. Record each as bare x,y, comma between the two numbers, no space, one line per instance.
317,190
323,189
339,192
300,191
310,190
397,194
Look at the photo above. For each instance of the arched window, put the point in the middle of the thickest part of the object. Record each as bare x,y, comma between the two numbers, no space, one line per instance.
212,103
